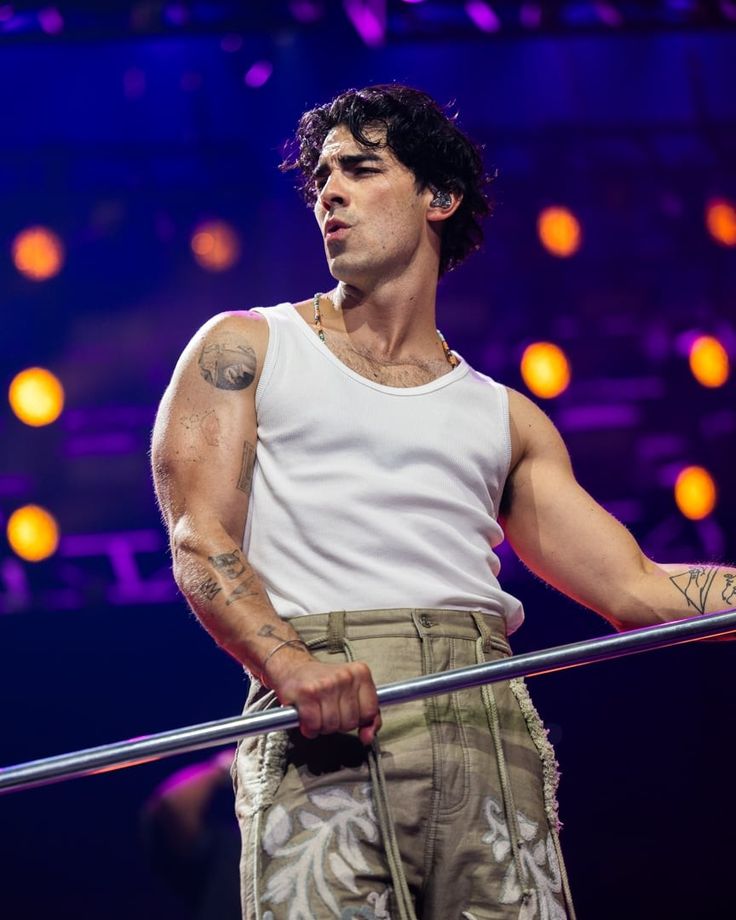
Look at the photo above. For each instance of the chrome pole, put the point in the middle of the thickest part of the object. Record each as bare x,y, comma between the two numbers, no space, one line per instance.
223,731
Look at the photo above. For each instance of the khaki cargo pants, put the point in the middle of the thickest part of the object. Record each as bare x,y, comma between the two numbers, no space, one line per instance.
450,815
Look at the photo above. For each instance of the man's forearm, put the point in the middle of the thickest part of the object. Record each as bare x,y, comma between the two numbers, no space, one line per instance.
673,591
230,601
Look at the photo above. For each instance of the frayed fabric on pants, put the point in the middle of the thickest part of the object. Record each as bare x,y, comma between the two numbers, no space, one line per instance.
450,815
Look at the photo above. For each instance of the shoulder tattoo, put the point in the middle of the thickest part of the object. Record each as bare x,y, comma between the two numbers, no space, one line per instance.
228,367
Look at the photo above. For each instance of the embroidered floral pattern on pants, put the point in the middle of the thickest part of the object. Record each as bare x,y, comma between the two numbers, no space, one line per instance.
326,858
538,859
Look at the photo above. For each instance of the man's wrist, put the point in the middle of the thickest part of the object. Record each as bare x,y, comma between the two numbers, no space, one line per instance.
295,644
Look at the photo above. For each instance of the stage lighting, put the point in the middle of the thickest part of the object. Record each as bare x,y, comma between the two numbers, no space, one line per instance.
559,231
33,533
51,20
215,245
258,74
720,219
545,369
36,396
483,15
38,253
695,492
709,361
369,20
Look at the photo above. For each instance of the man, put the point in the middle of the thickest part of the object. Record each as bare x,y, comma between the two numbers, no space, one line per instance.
333,476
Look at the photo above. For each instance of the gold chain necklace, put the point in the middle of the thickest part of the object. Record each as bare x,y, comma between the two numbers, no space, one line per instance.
451,358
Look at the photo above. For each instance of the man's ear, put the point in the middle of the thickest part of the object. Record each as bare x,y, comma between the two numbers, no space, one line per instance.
443,203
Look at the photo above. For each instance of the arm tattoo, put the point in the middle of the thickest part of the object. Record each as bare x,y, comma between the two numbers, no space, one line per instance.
208,424
244,589
246,469
232,565
729,592
228,367
209,589
210,428
695,584
269,632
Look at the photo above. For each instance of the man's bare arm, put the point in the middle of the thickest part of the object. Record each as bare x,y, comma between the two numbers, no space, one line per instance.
571,542
203,454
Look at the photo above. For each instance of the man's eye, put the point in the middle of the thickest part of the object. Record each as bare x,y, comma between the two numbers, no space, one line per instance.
365,169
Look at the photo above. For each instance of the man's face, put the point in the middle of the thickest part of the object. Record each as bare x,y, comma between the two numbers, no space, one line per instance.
368,207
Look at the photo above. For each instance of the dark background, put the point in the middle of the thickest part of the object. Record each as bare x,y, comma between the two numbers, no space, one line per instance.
131,125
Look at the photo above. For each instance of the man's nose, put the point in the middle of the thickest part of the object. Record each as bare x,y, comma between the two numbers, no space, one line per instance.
333,192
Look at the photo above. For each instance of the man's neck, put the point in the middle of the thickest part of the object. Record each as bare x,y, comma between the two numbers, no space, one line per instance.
388,320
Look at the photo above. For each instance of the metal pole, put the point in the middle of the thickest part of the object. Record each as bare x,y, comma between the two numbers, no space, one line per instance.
210,734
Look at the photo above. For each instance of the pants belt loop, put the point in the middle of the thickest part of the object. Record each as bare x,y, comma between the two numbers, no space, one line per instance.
336,631
484,629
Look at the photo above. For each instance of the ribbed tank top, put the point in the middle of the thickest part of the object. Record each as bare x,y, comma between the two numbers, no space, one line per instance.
367,496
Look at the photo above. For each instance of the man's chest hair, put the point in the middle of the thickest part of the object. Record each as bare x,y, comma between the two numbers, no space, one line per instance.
414,371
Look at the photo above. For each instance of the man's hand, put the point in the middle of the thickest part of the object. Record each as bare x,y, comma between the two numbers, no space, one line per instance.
328,697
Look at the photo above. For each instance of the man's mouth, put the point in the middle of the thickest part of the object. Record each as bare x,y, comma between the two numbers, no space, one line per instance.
335,229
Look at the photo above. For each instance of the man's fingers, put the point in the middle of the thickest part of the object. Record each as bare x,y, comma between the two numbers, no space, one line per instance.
310,716
335,698
370,716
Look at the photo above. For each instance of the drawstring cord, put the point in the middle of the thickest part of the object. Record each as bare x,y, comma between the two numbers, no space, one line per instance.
489,700
385,819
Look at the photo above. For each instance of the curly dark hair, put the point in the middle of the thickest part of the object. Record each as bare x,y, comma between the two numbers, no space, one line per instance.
421,136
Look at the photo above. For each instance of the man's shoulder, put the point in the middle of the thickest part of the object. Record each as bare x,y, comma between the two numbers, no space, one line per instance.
247,327
532,431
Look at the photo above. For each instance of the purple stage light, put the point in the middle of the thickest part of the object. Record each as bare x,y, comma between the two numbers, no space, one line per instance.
592,418
482,16
530,15
51,20
608,14
101,444
728,8
306,11
15,485
258,74
369,20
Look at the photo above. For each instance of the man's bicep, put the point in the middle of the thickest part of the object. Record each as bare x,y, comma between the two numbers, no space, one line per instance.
558,529
204,439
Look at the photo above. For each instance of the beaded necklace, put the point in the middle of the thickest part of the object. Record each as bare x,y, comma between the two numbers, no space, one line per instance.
451,358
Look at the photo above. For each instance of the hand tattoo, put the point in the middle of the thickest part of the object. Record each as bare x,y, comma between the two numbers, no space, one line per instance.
228,367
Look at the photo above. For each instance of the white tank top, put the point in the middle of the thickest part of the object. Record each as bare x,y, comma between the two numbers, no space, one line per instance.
367,496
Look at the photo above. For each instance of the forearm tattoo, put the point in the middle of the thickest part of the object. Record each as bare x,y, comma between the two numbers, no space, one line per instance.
232,565
245,480
270,632
729,592
695,584
228,367
246,588
209,589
